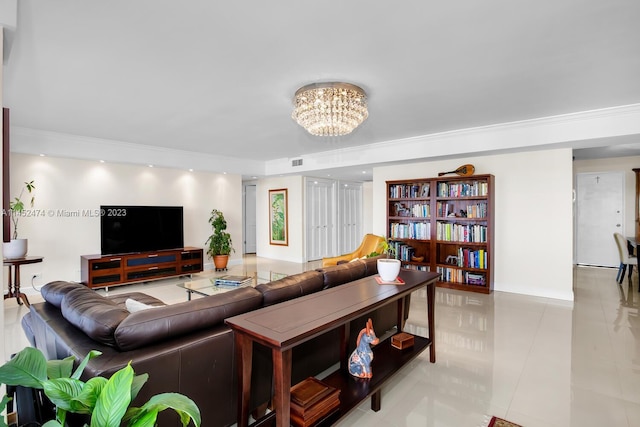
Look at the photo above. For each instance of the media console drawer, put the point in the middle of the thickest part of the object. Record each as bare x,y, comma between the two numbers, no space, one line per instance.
98,271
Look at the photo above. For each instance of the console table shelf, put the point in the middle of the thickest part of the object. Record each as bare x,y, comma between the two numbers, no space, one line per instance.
314,314
353,391
99,271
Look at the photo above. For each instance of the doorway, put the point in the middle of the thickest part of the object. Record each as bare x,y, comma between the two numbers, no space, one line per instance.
599,214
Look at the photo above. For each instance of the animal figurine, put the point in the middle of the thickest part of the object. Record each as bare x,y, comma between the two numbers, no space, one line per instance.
401,210
360,359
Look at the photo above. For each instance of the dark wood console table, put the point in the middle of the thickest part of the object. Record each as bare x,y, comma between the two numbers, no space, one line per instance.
14,283
283,326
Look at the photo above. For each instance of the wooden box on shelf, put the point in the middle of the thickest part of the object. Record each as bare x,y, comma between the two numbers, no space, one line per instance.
311,401
402,340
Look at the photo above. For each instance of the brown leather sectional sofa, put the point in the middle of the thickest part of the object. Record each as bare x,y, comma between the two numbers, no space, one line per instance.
187,347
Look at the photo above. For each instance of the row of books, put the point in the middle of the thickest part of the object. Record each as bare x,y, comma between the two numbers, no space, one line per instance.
473,189
451,232
460,276
403,251
405,191
415,230
415,267
418,210
421,210
444,209
472,259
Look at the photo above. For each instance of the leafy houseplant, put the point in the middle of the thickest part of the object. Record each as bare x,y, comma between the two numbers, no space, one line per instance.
219,243
105,400
17,248
17,205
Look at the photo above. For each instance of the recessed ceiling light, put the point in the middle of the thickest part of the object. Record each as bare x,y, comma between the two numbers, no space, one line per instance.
41,155
190,169
150,166
224,173
364,171
101,161
254,177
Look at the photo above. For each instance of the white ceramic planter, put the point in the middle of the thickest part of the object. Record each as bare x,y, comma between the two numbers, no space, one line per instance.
14,249
388,269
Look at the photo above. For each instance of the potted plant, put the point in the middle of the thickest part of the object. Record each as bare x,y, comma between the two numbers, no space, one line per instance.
219,243
105,401
388,268
17,248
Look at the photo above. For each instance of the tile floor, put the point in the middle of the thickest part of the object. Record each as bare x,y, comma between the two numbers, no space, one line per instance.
534,361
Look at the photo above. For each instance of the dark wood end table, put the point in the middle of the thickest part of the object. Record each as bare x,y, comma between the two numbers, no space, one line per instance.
14,282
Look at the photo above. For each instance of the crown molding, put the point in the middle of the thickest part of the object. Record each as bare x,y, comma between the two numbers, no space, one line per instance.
574,130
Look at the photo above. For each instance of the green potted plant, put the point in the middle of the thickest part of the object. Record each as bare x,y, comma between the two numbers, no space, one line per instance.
219,244
105,401
17,248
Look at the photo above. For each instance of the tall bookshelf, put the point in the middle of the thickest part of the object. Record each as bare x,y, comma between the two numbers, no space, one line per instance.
445,224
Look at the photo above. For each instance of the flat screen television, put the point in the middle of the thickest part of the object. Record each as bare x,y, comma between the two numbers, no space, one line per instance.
127,229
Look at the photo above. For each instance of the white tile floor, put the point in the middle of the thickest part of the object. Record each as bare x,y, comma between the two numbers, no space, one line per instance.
534,361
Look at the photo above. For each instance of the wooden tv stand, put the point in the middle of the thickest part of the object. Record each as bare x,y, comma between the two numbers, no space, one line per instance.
283,326
99,271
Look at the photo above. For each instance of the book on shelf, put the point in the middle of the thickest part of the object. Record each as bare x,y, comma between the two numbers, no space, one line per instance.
233,280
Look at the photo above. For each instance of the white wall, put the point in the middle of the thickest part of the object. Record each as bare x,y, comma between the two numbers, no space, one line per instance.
533,218
71,185
295,250
624,164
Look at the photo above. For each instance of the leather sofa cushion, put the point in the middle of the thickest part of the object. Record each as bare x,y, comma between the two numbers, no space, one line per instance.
93,314
371,265
337,275
291,287
154,326
138,296
53,292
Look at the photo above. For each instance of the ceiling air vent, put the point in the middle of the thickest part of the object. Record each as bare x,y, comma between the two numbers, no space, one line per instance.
296,162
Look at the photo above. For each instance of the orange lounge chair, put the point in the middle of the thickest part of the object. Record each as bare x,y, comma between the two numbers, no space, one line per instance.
370,243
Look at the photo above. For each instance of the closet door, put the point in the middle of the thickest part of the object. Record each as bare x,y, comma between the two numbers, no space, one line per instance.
320,216
349,216
599,214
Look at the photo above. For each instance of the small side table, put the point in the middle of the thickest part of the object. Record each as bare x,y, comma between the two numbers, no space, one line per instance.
14,285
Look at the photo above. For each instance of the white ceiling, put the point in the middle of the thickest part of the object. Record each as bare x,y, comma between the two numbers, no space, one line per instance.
179,81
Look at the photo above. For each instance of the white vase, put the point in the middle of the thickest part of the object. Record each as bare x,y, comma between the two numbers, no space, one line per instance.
16,248
388,269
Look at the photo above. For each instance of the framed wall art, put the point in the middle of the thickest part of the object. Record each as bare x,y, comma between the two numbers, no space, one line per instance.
278,219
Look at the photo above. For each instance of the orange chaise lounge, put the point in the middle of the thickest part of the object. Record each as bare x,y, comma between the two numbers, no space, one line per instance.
370,243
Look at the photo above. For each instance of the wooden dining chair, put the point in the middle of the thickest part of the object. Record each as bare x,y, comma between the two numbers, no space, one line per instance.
626,260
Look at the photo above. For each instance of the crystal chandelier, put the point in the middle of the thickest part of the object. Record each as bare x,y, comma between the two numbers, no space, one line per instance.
330,109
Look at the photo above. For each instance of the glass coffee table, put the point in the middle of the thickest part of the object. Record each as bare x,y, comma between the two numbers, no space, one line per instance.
207,287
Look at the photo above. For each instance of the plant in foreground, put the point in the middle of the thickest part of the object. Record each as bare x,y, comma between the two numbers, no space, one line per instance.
105,400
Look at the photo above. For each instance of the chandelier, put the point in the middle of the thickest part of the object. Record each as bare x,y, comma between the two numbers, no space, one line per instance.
330,109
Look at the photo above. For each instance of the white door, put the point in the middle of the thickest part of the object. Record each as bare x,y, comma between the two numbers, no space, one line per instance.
320,218
599,214
349,216
250,219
